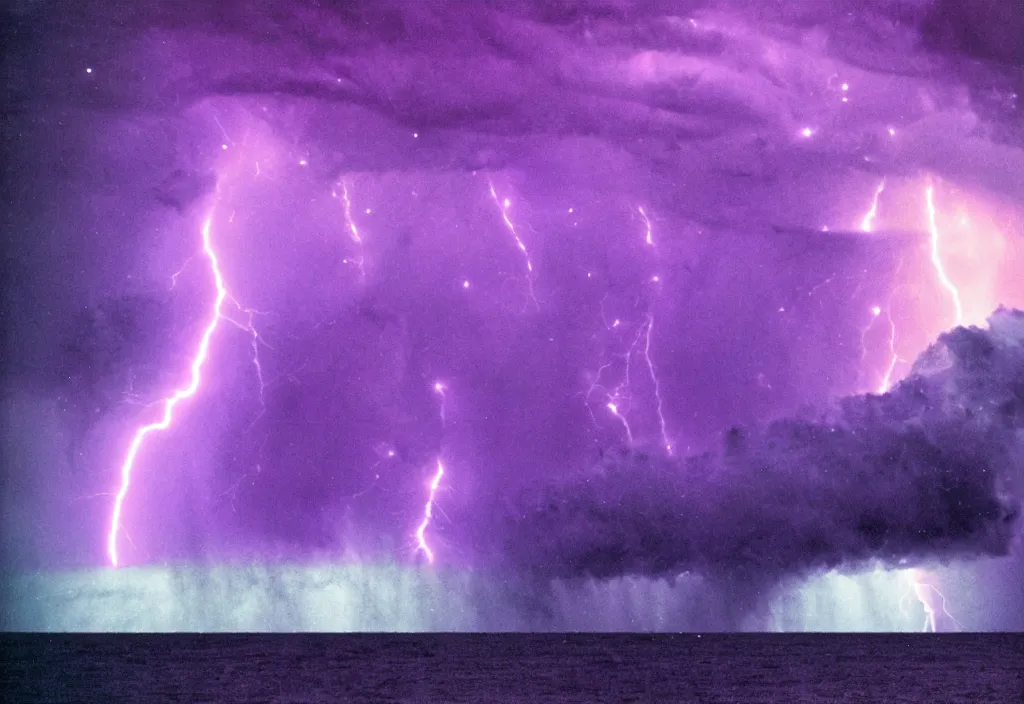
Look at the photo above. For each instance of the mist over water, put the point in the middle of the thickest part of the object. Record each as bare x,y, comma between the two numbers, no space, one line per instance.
376,598
693,303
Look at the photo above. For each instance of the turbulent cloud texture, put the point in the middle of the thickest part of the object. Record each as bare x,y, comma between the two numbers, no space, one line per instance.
924,471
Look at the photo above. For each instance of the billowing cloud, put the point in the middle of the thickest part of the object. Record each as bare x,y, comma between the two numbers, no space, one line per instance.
922,472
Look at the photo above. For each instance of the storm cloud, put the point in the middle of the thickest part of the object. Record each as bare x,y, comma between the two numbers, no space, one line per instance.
928,471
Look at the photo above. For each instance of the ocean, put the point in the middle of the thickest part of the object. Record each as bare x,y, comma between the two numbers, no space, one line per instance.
500,668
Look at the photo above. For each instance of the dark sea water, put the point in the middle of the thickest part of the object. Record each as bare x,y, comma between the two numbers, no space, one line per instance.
513,668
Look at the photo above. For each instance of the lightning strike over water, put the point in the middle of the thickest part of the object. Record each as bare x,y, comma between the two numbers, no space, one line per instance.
921,589
428,511
171,402
428,514
925,594
918,587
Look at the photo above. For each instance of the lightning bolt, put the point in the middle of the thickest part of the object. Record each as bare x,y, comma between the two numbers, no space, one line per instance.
503,205
657,386
249,327
613,406
615,397
179,272
649,237
867,223
201,355
440,389
647,332
641,346
428,510
876,312
920,589
350,224
887,378
232,490
428,514
923,592
933,230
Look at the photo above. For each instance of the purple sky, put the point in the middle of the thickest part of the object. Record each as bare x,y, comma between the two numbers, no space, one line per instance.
749,138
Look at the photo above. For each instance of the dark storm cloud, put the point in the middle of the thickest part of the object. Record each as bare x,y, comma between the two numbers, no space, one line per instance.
923,472
648,77
984,29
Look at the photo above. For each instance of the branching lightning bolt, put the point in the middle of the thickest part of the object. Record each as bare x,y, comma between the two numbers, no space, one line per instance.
202,353
933,230
657,386
886,383
648,330
232,490
428,511
615,397
920,591
613,402
919,587
250,328
428,514
346,201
